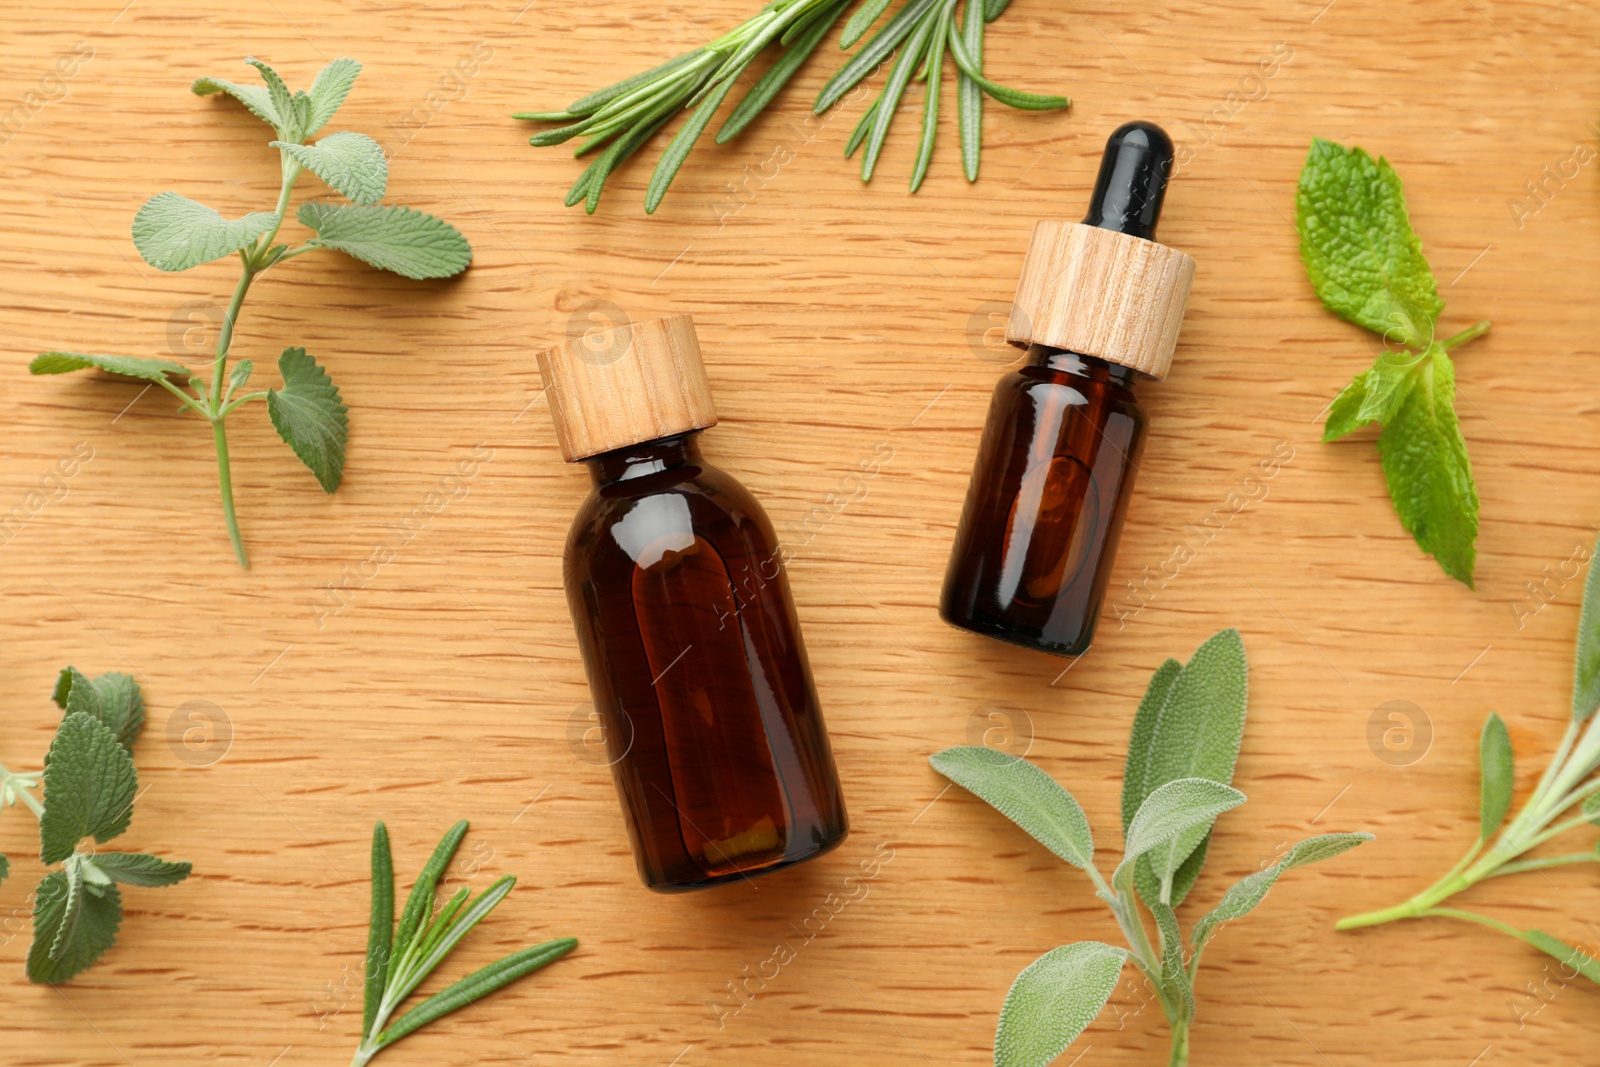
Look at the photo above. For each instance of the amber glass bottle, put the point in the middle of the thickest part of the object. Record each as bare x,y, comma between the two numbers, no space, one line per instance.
688,632
1098,306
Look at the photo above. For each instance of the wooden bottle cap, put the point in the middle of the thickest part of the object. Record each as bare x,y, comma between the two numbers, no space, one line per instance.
620,387
1102,293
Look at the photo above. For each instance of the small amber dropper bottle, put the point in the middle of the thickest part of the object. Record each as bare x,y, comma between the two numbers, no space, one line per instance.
689,636
1098,306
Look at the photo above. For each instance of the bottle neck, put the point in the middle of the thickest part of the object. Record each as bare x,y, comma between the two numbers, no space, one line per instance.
1081,366
645,458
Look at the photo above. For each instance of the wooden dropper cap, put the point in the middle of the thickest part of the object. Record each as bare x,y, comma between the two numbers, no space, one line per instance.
1104,287
627,385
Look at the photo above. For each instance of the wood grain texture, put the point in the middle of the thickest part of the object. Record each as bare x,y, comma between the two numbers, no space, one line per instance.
401,650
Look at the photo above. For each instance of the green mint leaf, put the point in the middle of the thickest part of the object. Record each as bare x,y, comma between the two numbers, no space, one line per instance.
1053,1000
419,904
475,986
149,370
1498,775
1170,811
1575,958
310,417
352,163
89,786
68,677
328,91
1189,725
113,700
1429,474
282,101
1364,260
1375,395
380,930
1249,891
1586,664
240,374
173,232
1024,794
397,239
139,868
254,97
94,929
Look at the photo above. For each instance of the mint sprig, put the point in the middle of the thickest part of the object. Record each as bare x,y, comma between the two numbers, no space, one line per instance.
175,233
1566,798
1181,755
1366,265
89,789
400,958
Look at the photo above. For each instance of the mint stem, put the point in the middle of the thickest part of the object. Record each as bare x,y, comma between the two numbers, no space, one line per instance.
19,785
225,476
1476,330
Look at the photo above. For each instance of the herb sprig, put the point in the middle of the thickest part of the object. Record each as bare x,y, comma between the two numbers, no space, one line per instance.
401,957
1367,267
618,120
174,233
1181,756
89,789
1568,787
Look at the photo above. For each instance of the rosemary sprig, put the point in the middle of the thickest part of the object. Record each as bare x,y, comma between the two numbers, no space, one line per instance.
617,121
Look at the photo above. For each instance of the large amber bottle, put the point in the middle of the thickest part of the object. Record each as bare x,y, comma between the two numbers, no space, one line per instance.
688,632
1098,307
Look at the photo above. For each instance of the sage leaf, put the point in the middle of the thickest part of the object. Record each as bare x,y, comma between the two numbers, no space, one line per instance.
175,233
1586,666
1053,1000
1569,956
89,786
1249,891
1498,775
1174,974
475,986
1023,793
399,239
138,868
351,163
111,699
380,929
1190,724
328,90
310,416
1364,259
93,930
1169,811
148,370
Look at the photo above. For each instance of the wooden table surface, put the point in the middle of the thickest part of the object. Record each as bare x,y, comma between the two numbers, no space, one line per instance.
840,322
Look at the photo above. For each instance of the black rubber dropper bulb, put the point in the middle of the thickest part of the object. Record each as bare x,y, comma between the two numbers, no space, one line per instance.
1133,180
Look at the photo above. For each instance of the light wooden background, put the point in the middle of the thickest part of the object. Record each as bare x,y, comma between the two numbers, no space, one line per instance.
838,319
